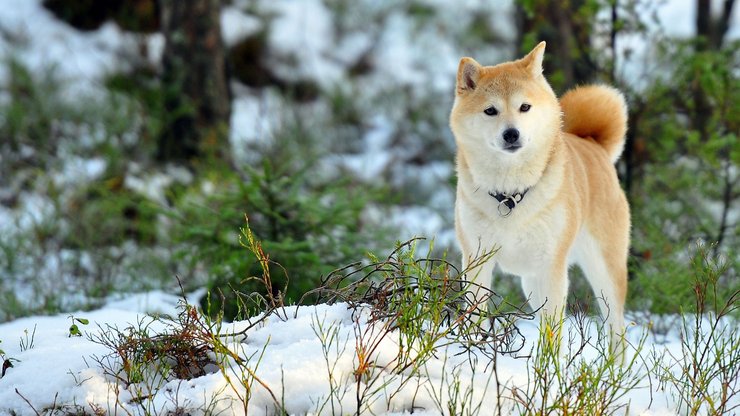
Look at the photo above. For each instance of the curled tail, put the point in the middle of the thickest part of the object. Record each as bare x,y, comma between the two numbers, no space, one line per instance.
599,112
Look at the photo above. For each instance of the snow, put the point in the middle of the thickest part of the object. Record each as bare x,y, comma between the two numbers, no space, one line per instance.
237,25
60,361
422,221
306,355
675,18
34,210
302,37
78,58
153,185
79,170
377,156
252,122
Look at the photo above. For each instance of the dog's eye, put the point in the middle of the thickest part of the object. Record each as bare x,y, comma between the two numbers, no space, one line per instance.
490,111
524,108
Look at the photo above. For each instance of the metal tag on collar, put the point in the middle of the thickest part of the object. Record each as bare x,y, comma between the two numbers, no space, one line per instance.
506,202
506,210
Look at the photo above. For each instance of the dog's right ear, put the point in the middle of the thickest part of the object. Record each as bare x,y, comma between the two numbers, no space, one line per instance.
533,60
468,73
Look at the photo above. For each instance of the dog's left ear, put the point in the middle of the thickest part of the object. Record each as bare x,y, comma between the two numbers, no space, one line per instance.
533,60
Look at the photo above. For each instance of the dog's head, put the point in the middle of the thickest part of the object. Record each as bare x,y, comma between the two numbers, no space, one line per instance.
508,110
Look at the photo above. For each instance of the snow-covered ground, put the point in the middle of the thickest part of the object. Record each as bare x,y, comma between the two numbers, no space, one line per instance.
306,356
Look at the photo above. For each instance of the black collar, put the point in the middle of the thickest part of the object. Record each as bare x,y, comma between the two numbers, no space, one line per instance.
507,202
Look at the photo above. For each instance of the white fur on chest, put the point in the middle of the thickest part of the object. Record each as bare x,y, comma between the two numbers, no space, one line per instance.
525,241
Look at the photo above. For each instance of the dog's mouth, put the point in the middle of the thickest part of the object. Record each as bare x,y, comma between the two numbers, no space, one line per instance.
512,147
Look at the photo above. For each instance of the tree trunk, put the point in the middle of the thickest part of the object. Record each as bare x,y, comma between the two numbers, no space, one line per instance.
712,31
710,34
194,82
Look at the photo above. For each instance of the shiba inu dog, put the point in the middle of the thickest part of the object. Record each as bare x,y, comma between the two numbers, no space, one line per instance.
536,181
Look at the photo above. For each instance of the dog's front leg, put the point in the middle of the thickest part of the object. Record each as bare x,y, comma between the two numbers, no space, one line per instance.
547,294
475,287
477,284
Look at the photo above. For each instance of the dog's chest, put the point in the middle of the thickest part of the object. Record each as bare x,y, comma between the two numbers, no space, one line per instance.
525,240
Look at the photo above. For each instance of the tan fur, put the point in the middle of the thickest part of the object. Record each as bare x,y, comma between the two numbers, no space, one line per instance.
599,112
574,210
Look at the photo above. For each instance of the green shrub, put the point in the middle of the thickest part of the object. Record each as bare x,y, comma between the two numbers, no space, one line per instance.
703,375
71,241
122,213
686,187
308,226
27,118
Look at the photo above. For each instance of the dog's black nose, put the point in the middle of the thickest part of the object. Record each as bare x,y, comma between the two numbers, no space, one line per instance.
511,135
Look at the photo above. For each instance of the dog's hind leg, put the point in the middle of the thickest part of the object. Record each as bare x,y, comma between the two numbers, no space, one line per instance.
606,272
547,292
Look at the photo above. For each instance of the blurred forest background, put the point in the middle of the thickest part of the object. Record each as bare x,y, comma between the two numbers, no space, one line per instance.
135,136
